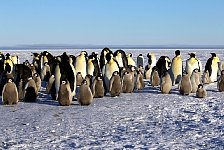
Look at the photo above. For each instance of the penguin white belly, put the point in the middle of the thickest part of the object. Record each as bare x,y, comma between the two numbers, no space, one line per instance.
81,67
90,69
214,73
74,72
191,66
131,61
109,69
120,61
57,75
177,68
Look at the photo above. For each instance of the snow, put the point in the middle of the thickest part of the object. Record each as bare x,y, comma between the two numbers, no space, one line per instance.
144,119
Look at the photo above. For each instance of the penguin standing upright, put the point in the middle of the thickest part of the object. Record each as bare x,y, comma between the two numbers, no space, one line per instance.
103,59
98,87
155,79
201,92
20,89
30,91
90,65
140,82
50,84
45,72
79,79
193,63
206,78
108,70
71,59
176,68
185,84
81,63
8,64
115,84
130,59
150,65
140,60
195,80
163,65
220,83
212,66
89,80
37,80
127,83
57,82
120,57
166,83
85,96
10,93
64,94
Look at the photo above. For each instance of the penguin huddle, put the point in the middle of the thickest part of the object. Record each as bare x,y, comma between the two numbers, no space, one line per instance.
86,77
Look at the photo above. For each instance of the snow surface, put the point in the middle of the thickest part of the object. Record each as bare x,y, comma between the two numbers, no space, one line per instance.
145,119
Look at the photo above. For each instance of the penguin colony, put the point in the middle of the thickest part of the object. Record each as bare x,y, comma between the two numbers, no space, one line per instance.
84,77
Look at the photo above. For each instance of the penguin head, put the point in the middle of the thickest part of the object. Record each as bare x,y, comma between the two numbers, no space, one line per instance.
130,55
46,64
109,56
140,55
192,55
177,52
84,53
84,82
213,54
115,73
200,86
126,72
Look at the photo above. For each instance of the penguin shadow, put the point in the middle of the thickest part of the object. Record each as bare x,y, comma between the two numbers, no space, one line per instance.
45,99
149,89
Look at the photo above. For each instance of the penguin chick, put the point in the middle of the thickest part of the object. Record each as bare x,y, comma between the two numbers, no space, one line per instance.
166,84
30,91
155,79
85,96
185,84
195,80
201,92
98,87
37,80
140,82
9,93
79,79
127,83
64,94
115,84
220,83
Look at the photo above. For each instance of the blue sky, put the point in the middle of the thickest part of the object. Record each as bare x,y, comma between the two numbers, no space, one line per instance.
112,22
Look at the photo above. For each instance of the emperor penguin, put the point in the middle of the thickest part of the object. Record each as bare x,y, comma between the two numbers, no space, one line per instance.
71,59
108,70
115,84
37,79
176,68
98,87
127,83
130,59
90,65
20,89
195,80
140,60
220,83
89,80
150,65
206,78
32,68
85,96
50,84
140,82
201,92
30,91
103,54
8,62
166,83
163,65
79,79
10,93
120,57
64,94
45,72
155,79
193,63
57,76
212,66
81,63
185,87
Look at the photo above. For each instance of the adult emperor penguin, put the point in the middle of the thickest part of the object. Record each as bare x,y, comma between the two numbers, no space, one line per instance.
108,70
93,66
166,83
155,79
57,76
195,80
81,63
45,72
8,62
103,54
10,93
185,84
140,60
120,57
130,59
163,64
176,68
65,94
98,87
50,85
193,63
30,91
201,92
85,96
115,84
220,83
127,83
140,82
212,66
